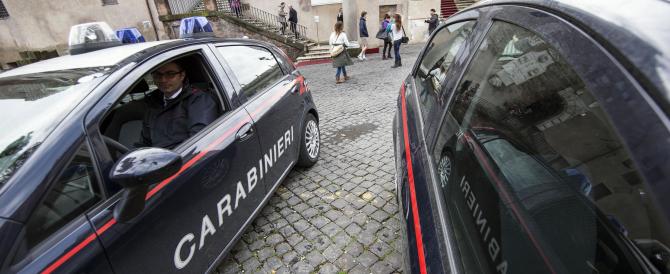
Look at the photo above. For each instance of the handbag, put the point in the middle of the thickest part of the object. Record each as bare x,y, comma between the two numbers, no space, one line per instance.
404,38
382,34
336,50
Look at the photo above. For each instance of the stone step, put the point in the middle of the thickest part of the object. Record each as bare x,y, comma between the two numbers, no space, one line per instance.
314,57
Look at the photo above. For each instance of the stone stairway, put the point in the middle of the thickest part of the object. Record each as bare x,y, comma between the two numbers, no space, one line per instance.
463,4
315,52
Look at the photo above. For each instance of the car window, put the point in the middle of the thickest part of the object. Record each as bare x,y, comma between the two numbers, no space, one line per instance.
533,173
254,67
143,117
440,53
75,191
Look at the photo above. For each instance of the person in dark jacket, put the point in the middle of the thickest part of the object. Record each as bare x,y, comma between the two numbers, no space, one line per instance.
432,22
363,34
340,16
387,42
293,19
177,112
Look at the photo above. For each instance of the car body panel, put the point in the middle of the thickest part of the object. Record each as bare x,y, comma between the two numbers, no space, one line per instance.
221,167
631,102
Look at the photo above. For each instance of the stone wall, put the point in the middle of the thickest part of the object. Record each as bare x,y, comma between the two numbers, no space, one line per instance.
36,26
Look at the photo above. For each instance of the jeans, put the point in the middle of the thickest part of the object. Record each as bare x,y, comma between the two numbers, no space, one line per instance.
342,70
294,29
387,44
396,50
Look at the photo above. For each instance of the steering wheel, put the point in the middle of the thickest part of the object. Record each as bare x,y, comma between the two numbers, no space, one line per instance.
115,145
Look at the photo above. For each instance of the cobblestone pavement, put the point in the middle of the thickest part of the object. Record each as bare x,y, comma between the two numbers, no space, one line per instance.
340,215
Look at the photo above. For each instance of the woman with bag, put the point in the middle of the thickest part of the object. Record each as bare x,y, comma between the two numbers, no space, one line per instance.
338,52
399,37
383,34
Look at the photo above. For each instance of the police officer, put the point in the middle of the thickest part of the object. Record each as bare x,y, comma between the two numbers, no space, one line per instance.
177,112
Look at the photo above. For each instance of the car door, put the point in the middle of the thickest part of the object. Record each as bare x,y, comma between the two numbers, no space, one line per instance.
536,168
274,103
191,218
57,236
421,102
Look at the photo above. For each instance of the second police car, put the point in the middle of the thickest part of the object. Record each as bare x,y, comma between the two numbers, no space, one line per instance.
532,137
77,196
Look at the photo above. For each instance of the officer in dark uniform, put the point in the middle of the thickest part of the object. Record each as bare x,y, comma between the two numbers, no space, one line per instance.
177,112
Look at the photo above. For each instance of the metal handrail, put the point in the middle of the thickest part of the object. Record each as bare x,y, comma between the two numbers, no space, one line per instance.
268,20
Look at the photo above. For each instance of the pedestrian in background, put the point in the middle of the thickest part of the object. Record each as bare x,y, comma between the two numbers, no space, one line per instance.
293,19
236,6
387,40
338,52
282,17
340,16
397,32
432,22
363,34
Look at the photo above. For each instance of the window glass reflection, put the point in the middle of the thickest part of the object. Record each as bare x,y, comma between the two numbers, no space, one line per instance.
255,68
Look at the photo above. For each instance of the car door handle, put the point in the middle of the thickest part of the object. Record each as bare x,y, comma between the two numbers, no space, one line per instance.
244,132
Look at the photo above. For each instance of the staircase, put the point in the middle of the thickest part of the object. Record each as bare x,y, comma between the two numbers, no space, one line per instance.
447,8
463,4
260,21
315,53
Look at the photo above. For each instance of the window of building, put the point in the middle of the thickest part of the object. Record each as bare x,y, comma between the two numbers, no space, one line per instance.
440,53
109,2
255,68
535,177
3,11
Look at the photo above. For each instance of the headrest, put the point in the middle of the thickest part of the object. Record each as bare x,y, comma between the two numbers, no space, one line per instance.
140,87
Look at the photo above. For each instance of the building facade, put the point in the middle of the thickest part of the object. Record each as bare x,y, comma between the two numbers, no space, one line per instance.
35,29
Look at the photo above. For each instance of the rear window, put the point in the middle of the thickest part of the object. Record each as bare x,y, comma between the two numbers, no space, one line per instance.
32,105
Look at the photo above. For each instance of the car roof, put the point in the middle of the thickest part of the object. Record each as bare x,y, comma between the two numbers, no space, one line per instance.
636,32
115,55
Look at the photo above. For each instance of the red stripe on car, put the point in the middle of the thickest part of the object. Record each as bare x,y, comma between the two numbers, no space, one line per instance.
412,191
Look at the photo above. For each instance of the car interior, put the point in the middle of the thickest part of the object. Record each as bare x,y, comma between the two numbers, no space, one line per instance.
123,125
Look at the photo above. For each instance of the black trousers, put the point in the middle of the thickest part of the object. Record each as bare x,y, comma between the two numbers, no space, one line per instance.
293,29
387,44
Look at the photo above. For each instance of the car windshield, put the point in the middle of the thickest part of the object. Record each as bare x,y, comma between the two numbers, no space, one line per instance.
32,105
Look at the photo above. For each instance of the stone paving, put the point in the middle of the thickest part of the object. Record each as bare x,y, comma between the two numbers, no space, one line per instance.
340,215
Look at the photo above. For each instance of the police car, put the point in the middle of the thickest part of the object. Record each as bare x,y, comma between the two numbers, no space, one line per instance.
532,137
78,195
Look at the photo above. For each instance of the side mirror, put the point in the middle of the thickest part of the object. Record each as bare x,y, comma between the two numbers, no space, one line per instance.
656,252
135,171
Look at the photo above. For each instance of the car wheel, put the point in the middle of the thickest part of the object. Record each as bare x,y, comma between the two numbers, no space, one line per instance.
310,146
445,168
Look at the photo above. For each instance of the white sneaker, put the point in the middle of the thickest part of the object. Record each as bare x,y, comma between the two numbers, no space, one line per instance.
360,57
365,57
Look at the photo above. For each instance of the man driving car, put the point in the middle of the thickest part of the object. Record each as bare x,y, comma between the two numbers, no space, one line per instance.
177,112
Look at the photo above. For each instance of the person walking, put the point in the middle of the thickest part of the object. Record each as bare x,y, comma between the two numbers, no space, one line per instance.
432,22
293,19
236,6
282,17
340,16
387,41
397,32
363,34
338,43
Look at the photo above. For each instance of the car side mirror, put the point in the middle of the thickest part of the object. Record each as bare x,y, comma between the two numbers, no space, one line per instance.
135,171
656,252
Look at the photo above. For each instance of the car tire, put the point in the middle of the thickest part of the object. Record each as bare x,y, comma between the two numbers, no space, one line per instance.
310,142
